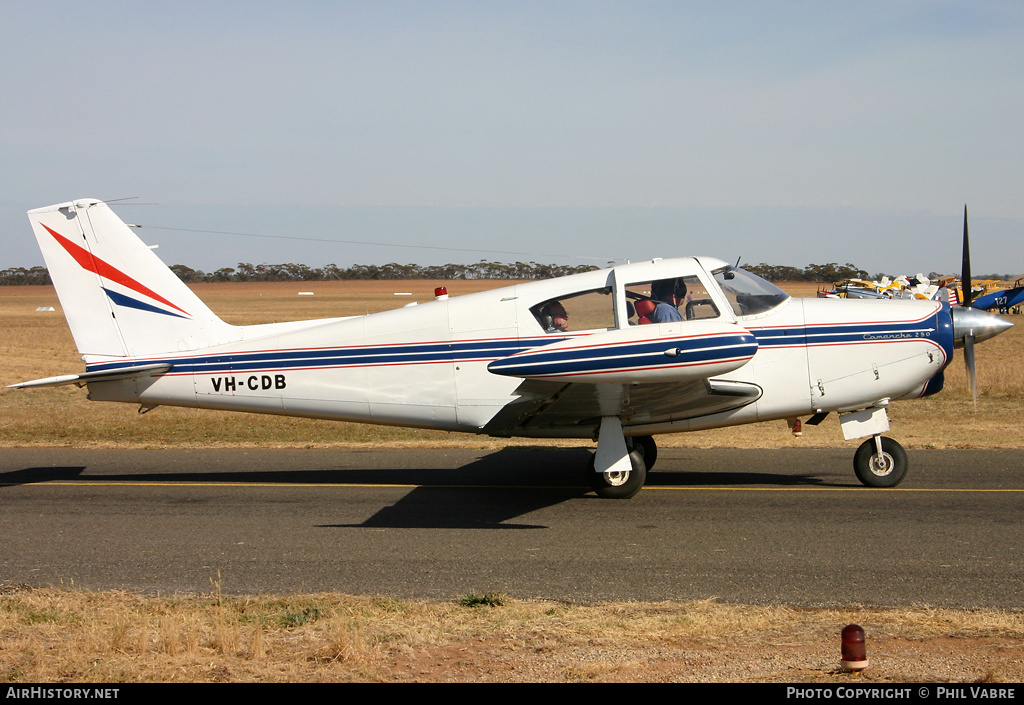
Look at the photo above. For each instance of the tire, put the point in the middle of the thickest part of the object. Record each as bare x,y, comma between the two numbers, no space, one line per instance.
648,450
619,485
888,470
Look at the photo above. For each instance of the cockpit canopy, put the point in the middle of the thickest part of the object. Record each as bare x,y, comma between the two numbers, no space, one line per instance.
663,291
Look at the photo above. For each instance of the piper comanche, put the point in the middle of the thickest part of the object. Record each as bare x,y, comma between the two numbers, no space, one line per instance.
618,354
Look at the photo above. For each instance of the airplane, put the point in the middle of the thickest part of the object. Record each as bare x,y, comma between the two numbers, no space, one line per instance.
618,355
1002,299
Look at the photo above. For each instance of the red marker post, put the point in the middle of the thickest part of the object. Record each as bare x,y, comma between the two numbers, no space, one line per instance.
854,651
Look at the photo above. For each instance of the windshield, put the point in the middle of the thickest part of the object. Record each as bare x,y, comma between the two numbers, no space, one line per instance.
748,293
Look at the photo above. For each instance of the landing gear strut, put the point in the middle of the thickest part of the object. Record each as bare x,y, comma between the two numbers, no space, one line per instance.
880,462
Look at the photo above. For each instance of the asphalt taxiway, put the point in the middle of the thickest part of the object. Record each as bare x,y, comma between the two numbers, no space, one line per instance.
780,526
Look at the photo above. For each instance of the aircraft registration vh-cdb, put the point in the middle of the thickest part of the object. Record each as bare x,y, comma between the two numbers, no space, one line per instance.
618,354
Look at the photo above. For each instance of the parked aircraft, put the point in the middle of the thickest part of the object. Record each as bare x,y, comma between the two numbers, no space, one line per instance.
619,354
1002,300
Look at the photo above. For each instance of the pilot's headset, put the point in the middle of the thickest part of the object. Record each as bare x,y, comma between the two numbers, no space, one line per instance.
547,318
663,288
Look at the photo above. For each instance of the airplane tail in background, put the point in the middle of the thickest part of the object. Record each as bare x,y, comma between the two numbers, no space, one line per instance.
120,300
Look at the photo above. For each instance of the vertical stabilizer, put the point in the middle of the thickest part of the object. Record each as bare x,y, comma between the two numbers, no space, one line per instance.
119,298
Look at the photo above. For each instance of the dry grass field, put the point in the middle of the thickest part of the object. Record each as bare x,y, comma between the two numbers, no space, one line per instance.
68,636
63,635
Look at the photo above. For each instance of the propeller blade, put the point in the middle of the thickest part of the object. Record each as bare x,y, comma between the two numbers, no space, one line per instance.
965,267
965,284
972,378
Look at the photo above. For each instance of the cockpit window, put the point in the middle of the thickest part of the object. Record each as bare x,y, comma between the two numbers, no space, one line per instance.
666,300
748,294
587,310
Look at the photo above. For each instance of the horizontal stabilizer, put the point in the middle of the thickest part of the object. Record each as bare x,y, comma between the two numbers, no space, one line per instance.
101,376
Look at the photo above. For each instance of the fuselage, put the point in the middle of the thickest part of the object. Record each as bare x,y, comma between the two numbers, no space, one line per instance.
448,363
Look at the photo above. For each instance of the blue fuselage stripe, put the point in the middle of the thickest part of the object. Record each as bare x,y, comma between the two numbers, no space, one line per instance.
429,353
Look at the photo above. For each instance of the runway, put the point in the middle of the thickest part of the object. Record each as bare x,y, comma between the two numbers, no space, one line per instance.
781,527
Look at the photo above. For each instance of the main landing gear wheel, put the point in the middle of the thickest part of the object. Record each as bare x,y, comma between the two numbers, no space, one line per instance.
619,485
648,449
880,470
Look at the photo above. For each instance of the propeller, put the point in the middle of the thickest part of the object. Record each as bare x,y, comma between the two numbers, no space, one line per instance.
971,325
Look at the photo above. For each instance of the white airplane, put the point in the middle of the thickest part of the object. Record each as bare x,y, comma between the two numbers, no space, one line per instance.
619,354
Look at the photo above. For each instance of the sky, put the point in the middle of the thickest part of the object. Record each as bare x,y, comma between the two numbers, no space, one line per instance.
569,132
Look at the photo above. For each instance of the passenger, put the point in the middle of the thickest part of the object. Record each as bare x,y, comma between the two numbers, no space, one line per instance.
554,317
667,294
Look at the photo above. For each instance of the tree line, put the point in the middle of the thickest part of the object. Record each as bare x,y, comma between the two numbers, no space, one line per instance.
247,272
830,272
19,276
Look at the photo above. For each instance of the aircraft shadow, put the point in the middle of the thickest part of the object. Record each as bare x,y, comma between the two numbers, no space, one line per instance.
454,508
28,476
487,493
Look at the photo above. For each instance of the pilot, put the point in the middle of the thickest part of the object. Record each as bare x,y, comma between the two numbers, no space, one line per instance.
667,294
554,317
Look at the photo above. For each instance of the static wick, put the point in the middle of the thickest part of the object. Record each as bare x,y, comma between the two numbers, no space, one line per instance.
854,651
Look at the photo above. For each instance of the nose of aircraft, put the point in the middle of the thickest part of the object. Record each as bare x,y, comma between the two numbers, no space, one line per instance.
980,324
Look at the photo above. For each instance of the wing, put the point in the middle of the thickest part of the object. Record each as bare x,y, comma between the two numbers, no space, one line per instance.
641,375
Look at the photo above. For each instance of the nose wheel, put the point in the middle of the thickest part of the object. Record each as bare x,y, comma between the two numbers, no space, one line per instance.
880,462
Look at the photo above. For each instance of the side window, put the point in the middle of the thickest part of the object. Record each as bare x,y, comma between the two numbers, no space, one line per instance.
588,310
665,300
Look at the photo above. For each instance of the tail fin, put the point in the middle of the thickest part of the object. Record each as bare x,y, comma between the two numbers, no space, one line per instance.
119,298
